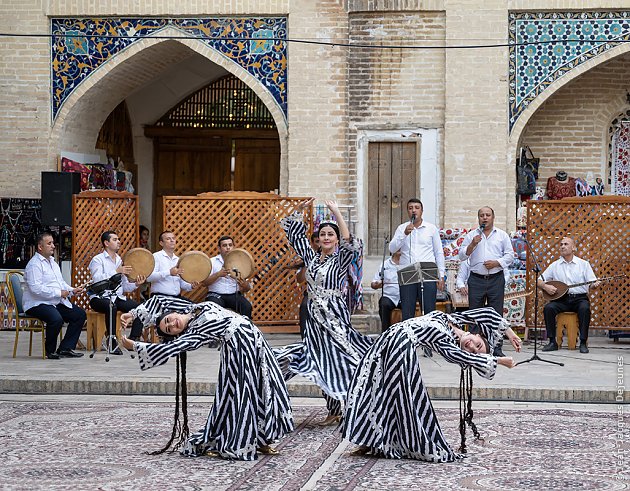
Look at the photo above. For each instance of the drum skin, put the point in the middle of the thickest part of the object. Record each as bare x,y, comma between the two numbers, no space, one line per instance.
141,261
196,265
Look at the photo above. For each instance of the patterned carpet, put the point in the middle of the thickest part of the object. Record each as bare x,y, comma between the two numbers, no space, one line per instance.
101,446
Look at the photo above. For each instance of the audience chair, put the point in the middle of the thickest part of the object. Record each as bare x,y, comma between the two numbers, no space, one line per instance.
32,324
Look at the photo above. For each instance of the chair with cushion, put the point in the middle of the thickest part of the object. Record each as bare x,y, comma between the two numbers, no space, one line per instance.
31,324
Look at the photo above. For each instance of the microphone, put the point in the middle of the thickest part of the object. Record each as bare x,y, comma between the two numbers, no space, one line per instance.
481,227
413,217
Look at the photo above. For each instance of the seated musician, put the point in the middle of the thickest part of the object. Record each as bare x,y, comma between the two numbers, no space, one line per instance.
387,277
224,289
104,266
569,269
165,279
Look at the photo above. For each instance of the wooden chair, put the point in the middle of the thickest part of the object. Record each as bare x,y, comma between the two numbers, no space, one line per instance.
32,324
569,322
96,328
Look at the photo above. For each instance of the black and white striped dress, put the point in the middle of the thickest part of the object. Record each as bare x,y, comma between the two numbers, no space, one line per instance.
251,403
388,408
331,348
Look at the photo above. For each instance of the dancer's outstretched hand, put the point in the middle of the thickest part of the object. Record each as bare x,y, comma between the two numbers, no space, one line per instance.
305,204
506,361
126,320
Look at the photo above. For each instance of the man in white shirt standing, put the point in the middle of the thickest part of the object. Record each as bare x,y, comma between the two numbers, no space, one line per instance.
569,269
223,289
165,278
387,278
490,252
46,296
104,266
418,240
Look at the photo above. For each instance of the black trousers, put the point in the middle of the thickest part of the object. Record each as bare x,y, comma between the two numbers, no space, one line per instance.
102,305
579,304
233,301
54,316
385,308
411,294
486,291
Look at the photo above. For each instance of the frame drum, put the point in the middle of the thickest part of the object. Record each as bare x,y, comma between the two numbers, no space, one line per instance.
141,261
196,265
240,263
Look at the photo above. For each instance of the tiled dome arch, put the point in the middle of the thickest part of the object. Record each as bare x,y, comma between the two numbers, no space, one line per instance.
81,46
544,46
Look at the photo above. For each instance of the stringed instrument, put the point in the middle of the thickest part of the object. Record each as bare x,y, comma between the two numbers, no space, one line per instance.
563,288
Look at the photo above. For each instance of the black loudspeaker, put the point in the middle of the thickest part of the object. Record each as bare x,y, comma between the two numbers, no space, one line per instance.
57,191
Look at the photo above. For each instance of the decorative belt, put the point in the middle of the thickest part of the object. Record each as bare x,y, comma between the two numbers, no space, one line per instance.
484,276
324,293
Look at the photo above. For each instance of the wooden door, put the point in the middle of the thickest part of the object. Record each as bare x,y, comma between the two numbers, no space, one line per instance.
257,164
392,180
187,168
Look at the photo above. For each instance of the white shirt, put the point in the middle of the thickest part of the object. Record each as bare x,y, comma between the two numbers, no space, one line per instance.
464,273
576,271
225,285
497,246
390,280
162,281
43,283
422,244
103,267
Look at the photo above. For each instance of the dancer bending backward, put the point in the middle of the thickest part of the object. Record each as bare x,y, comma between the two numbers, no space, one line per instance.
251,407
388,410
330,349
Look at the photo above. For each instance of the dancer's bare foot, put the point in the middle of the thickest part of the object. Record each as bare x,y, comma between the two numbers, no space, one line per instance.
267,450
359,451
330,420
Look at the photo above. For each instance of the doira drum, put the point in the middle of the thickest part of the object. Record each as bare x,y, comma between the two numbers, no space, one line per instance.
239,263
141,261
196,266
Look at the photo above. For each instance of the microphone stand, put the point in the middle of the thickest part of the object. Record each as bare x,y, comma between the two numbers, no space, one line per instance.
535,357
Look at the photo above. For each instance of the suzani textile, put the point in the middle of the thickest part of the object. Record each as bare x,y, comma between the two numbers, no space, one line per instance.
621,161
544,46
80,46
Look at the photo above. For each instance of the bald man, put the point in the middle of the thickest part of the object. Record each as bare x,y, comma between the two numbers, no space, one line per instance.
569,269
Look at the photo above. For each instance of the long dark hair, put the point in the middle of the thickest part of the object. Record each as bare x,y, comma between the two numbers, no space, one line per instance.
180,429
465,408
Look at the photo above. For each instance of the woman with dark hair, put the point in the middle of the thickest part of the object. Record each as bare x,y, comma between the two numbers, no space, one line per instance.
388,410
331,348
251,407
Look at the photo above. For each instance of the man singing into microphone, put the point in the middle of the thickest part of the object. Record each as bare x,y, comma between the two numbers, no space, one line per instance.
489,251
418,240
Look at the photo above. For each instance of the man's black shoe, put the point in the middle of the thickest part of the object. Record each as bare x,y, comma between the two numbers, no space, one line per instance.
551,346
52,356
583,347
68,353
498,352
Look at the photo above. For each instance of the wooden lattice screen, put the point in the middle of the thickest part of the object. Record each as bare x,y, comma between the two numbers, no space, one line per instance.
252,219
95,212
600,227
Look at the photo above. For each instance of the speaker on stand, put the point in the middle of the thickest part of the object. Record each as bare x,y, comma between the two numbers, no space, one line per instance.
56,191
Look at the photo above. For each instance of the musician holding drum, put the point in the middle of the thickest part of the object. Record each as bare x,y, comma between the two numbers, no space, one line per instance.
166,276
104,266
569,269
226,286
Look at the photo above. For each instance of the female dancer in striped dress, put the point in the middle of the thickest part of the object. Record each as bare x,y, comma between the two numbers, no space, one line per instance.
331,348
251,406
388,410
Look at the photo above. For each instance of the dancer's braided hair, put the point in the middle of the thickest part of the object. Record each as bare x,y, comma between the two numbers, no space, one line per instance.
465,408
180,428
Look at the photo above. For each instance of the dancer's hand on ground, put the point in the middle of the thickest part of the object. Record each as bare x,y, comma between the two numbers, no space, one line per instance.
516,341
126,342
506,361
126,320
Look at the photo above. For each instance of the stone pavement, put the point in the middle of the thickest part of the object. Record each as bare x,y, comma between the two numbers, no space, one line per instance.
590,378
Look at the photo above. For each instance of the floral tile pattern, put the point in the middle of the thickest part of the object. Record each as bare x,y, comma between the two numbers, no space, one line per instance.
544,46
80,46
